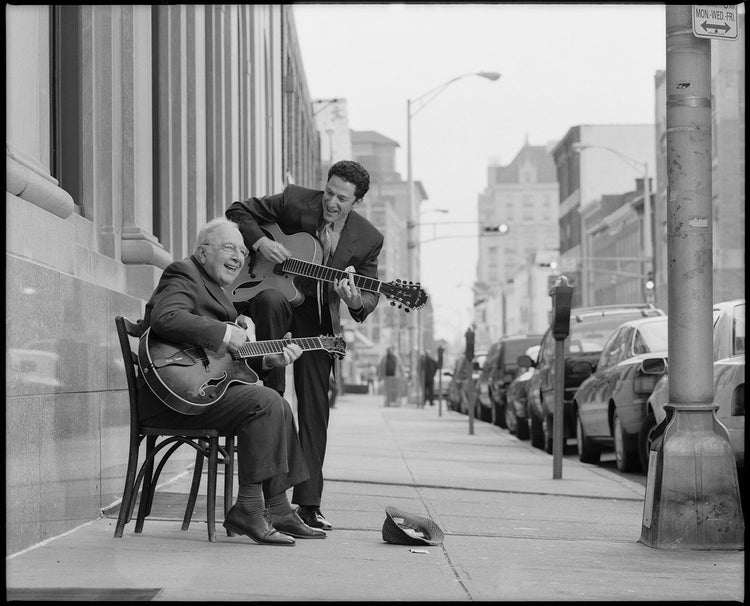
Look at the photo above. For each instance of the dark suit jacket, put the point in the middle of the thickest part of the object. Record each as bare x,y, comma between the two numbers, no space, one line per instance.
187,308
298,209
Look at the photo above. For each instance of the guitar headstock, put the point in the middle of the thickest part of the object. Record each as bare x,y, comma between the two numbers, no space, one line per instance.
408,295
336,346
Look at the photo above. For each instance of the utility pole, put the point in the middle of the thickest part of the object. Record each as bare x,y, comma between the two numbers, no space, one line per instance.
692,491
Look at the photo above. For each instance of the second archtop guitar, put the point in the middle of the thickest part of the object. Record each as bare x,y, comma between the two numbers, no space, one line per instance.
259,273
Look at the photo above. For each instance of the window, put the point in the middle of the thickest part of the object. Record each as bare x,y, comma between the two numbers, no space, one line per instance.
65,98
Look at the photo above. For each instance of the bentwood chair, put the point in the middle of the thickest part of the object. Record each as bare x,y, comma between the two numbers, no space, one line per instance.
204,441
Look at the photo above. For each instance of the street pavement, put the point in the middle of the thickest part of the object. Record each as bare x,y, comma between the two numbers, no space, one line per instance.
512,532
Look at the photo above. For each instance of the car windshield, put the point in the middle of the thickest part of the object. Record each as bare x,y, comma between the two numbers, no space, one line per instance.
589,336
513,349
653,336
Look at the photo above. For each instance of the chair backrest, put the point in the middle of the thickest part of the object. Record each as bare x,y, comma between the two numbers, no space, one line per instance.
125,330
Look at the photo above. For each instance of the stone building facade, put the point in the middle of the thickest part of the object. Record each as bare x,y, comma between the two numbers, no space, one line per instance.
128,126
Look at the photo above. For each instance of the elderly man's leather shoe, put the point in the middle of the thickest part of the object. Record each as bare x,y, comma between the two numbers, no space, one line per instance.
255,527
292,525
312,517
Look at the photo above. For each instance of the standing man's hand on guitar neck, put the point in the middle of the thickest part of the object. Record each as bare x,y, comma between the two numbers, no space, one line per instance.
272,250
348,292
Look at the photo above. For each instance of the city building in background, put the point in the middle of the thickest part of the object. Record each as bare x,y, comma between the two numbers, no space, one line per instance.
728,174
593,161
520,206
118,148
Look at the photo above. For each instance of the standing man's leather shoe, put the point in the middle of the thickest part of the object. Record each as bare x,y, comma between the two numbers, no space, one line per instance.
293,525
256,528
312,517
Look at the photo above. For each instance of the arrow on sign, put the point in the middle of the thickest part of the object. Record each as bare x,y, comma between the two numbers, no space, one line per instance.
707,26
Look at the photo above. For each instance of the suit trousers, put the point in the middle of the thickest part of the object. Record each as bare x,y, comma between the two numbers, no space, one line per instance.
268,450
273,316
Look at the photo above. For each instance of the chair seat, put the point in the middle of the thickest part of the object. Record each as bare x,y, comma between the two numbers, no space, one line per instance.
188,433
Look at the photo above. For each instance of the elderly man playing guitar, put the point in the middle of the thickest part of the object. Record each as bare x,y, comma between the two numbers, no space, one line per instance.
345,240
190,309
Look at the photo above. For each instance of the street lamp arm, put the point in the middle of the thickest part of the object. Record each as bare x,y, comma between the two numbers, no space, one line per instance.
635,163
425,98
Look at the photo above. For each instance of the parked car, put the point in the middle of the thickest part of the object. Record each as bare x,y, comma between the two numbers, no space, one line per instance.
610,405
516,410
589,329
455,387
463,371
729,382
499,369
441,382
483,387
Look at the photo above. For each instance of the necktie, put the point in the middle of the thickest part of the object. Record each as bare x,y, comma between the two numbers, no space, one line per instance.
324,235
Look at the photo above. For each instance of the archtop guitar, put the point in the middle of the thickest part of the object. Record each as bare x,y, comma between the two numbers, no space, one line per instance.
260,274
190,379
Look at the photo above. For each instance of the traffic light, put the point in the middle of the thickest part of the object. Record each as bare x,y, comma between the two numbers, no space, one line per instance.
650,281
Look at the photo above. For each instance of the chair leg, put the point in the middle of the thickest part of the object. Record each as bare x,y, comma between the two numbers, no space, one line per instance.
228,478
197,472
147,491
213,461
126,508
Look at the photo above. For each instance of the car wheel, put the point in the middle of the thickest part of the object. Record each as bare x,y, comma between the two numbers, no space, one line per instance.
645,437
587,452
485,413
537,433
625,460
522,429
548,427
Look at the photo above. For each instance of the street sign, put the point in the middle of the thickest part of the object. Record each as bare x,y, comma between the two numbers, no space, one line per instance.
716,21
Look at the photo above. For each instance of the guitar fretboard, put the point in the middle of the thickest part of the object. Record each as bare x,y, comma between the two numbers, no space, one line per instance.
253,349
306,269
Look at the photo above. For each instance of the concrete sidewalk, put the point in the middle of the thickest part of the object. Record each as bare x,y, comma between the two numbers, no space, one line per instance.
511,531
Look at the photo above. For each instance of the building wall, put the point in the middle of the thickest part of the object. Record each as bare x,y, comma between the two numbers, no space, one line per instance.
585,176
170,131
523,195
728,179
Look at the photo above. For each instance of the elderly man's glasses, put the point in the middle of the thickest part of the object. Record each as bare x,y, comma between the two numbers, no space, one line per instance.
231,249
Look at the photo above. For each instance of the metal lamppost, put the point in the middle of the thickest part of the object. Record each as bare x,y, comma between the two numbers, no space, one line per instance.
648,236
412,254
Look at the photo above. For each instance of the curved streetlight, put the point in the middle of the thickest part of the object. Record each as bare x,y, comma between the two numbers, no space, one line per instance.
414,106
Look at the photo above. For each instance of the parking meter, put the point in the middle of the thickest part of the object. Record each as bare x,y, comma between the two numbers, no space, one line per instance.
440,350
562,294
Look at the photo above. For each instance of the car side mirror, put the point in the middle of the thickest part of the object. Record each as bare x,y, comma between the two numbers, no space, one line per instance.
654,366
525,361
582,367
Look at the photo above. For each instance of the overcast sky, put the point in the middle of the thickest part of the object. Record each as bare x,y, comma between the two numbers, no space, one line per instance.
561,65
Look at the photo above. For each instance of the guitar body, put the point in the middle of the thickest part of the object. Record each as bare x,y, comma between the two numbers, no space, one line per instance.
191,379
259,274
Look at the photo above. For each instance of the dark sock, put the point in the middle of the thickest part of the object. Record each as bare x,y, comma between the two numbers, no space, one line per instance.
279,505
250,499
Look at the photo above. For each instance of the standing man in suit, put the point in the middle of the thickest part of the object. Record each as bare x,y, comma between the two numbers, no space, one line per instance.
348,241
190,307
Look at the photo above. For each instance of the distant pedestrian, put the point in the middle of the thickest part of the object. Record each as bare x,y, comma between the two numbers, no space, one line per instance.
428,367
390,372
469,336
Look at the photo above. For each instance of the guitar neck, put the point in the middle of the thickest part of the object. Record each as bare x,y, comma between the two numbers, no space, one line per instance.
298,267
254,349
